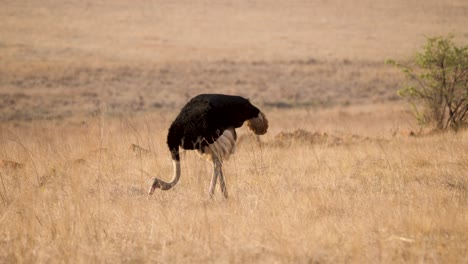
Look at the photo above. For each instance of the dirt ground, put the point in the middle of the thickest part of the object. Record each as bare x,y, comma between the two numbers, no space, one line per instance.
62,59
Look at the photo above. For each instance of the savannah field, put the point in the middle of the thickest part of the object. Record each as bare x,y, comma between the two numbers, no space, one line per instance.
88,90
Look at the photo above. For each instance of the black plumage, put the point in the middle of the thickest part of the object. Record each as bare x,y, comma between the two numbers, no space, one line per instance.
207,124
205,117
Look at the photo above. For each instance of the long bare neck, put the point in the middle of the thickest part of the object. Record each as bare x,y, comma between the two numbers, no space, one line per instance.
175,178
157,183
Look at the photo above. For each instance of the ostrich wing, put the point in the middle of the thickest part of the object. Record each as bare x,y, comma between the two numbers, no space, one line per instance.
204,118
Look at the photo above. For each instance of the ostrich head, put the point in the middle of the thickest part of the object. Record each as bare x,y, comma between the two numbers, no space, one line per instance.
156,185
160,184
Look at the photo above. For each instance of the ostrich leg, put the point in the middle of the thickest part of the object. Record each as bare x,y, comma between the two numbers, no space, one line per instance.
223,184
217,172
213,180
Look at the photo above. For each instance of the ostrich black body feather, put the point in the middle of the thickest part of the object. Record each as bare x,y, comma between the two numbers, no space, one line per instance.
207,124
204,118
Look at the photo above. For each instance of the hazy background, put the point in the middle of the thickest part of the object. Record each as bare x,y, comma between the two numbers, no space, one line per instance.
62,58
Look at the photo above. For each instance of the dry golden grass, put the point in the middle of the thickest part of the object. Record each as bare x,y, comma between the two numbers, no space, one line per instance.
81,196
336,179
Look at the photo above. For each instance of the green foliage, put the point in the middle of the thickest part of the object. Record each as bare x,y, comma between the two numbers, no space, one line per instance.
438,83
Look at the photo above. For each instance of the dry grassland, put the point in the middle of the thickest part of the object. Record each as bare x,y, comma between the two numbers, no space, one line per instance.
162,30
88,90
298,197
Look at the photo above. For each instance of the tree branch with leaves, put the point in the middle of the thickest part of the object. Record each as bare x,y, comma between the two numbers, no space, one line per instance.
437,83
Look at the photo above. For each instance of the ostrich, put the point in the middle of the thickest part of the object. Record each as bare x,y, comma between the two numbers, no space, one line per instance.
207,124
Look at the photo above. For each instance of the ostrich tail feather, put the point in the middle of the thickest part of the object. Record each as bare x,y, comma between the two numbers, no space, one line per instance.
259,124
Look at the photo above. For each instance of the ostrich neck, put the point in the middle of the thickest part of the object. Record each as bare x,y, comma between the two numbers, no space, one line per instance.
168,185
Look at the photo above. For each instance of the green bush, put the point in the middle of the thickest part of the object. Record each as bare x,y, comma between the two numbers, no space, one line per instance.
437,86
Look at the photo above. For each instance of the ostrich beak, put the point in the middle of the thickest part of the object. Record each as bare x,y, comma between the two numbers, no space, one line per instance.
154,186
